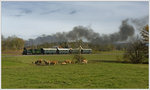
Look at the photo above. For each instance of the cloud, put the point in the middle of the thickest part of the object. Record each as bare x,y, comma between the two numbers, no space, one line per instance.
73,12
25,11
22,12
51,11
17,15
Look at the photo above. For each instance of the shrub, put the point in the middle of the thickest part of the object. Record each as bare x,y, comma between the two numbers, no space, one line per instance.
118,58
135,52
78,58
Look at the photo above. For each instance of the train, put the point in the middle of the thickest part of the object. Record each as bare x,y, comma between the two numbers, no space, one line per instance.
56,51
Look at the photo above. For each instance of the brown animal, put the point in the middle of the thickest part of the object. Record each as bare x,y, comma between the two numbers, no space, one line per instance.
49,62
38,61
63,63
84,61
53,62
68,61
46,62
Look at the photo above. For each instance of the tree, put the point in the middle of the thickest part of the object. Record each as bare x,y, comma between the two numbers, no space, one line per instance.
137,50
134,52
145,38
145,34
12,43
3,43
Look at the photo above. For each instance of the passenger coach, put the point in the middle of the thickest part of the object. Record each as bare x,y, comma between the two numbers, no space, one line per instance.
56,51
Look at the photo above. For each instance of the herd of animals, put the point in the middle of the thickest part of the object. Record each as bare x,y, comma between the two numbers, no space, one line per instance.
45,62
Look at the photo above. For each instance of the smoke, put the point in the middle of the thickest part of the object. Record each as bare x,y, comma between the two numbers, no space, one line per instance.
127,29
139,23
80,32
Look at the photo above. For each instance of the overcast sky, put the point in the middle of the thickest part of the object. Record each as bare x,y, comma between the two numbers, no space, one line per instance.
31,19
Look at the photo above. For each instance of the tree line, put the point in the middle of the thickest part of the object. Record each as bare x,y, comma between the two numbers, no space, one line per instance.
12,43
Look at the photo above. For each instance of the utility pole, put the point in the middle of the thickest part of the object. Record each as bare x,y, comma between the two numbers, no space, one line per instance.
80,53
80,50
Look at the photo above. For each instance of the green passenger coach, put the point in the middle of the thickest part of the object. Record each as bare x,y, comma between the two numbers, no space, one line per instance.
56,51
49,51
86,51
63,50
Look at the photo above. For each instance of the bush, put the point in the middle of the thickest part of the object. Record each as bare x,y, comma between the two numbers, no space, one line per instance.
135,52
118,58
78,58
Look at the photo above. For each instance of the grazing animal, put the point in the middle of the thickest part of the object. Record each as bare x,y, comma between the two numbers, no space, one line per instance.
53,62
73,62
46,62
68,61
49,62
84,61
63,63
38,62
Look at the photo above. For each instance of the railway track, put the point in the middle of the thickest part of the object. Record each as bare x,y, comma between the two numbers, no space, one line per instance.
62,54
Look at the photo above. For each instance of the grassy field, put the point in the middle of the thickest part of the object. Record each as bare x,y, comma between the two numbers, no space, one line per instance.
19,72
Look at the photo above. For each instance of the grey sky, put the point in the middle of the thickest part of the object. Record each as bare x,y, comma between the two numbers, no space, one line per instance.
31,19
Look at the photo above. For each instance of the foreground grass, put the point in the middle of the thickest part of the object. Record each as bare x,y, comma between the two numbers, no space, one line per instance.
18,72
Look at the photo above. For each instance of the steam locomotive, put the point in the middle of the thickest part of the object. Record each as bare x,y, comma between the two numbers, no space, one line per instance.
56,51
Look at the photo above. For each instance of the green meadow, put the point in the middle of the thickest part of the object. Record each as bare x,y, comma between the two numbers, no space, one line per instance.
101,72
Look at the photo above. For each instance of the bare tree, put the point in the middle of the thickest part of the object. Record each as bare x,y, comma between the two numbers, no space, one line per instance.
137,50
134,52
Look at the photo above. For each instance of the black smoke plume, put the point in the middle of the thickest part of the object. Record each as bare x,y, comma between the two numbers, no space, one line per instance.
126,30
